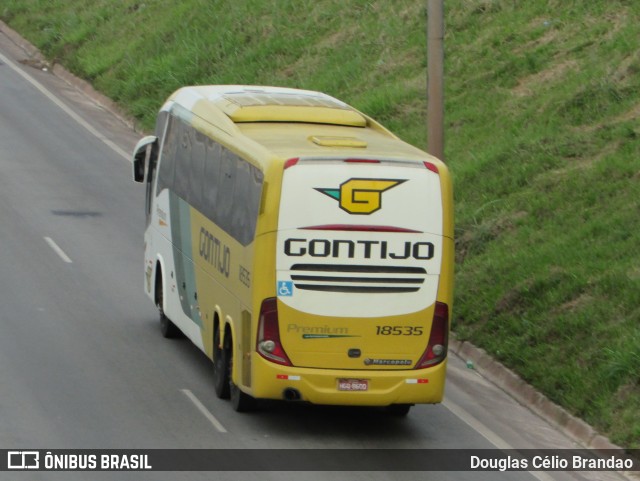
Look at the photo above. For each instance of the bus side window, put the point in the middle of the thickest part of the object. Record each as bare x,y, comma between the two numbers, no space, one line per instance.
167,161
196,169
255,196
246,202
224,208
211,179
161,123
183,161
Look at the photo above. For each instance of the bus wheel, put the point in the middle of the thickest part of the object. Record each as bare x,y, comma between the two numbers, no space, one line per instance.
240,401
220,367
167,328
399,410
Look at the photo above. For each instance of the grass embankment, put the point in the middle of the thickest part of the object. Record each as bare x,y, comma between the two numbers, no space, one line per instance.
543,140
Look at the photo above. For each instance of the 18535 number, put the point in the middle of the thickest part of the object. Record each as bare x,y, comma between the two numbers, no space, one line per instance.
399,330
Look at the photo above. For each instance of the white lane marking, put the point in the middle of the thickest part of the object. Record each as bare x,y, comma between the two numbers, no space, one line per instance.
56,248
64,107
207,414
488,434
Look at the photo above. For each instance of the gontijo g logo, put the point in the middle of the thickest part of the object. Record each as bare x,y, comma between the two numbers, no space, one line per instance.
361,196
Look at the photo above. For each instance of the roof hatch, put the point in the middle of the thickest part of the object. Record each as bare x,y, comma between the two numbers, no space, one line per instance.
325,141
263,106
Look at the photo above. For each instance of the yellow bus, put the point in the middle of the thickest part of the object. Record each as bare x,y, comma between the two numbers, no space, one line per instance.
301,245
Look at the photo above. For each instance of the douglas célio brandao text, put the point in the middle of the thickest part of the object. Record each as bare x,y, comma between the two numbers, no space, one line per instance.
567,462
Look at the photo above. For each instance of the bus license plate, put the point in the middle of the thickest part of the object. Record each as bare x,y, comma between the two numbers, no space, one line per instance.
353,384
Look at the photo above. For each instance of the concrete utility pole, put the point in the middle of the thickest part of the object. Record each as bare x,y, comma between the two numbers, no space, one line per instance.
435,78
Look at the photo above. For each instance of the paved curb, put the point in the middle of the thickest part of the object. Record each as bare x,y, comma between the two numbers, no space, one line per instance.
100,99
37,60
525,394
507,380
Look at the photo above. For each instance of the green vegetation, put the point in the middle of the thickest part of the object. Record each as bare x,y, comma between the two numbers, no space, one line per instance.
543,140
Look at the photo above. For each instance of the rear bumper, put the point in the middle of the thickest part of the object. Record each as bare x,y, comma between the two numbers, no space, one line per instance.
320,386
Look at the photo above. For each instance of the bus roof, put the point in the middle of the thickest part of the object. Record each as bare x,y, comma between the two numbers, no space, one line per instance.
318,125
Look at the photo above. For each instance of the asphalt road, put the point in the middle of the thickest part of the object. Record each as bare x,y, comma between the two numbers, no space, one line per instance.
82,361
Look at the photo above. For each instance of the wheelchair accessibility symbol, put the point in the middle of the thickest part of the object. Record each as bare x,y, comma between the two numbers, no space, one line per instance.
285,288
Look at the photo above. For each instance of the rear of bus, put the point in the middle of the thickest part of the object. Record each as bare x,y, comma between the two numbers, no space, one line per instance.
364,279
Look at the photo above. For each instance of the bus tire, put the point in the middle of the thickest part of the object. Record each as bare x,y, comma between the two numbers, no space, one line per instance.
399,410
220,366
168,329
240,401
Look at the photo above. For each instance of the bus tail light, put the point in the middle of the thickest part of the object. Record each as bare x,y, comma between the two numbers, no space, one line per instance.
432,167
437,348
269,345
291,162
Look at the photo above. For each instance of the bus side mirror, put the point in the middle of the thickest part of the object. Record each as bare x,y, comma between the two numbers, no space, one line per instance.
140,158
